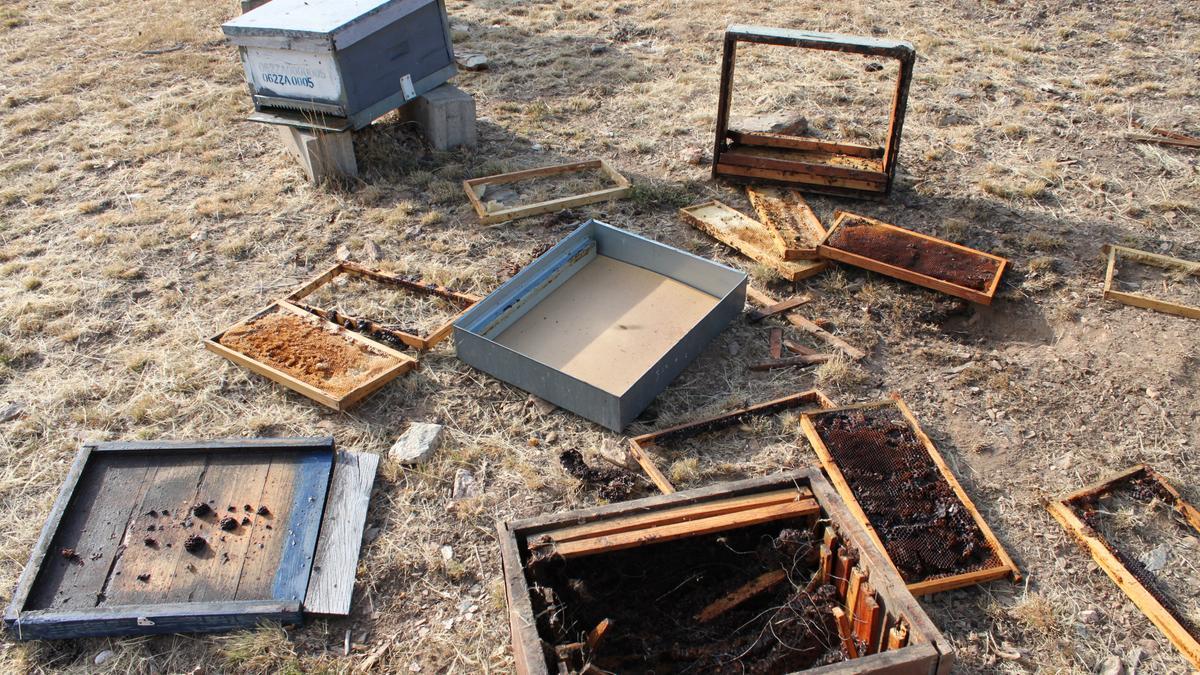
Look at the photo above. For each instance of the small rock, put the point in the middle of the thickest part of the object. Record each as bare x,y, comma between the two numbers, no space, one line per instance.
417,444
551,437
465,486
693,156
1133,659
536,147
1148,646
447,553
471,60
342,253
104,657
460,28
1112,666
372,252
371,534
1089,616
199,235
599,49
543,406
1156,559
11,412
734,348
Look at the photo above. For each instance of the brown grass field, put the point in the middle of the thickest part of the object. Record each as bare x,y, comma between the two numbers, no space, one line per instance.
139,214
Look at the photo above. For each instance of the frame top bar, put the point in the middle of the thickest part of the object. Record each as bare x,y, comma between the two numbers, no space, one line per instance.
898,49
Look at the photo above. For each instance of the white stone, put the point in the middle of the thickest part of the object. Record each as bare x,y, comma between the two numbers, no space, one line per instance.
465,486
104,657
417,444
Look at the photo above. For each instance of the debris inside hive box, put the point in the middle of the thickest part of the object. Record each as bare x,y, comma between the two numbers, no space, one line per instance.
888,470
923,260
1146,537
308,351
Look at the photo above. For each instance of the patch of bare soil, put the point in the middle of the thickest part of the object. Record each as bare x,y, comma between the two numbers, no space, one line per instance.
652,594
307,351
1181,287
1138,523
915,254
926,530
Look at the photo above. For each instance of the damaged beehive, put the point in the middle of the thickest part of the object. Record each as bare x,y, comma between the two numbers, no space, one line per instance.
913,257
748,237
658,441
812,164
763,575
897,484
1142,533
193,536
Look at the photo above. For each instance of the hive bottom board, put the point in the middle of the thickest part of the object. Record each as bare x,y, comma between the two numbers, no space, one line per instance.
609,323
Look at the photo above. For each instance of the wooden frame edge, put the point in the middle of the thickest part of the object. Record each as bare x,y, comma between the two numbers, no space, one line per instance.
1145,301
621,190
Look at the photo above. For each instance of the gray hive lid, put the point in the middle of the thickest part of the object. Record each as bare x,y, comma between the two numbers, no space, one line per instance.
339,23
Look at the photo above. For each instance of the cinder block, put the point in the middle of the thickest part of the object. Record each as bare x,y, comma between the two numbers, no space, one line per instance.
248,5
323,155
446,116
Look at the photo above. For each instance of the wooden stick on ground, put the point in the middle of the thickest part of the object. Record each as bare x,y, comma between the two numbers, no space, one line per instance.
797,348
790,361
756,315
761,298
740,594
776,342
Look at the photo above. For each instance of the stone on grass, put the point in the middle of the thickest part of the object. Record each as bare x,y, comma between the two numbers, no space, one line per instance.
417,444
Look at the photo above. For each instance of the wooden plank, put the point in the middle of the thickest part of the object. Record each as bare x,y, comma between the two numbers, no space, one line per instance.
95,527
841,571
797,348
331,585
1162,140
303,525
729,521
1141,300
1133,589
798,177
791,361
158,619
845,633
810,398
931,586
660,481
831,252
622,189
776,342
157,448
741,594
782,160
660,517
857,577
759,297
796,227
269,536
748,237
774,140
756,315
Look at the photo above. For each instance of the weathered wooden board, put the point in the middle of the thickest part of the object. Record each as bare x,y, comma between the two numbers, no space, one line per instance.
796,227
331,585
112,555
748,237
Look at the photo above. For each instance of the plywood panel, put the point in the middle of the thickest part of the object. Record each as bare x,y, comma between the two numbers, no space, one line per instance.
609,323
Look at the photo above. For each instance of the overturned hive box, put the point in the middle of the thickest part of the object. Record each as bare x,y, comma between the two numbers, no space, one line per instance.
812,164
762,575
601,323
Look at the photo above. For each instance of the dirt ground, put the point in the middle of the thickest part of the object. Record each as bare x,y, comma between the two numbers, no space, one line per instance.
140,214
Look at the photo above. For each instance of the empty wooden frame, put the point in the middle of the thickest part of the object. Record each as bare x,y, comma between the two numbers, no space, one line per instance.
1146,599
1185,267
812,164
365,324
887,630
1003,567
903,239
748,237
796,227
476,187
194,536
639,445
341,401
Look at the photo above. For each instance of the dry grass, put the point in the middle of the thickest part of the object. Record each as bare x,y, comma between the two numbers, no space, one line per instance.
138,213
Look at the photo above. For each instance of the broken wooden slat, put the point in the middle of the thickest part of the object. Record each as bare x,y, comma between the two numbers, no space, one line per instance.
898,636
756,315
680,514
841,572
759,297
331,584
1163,140
800,360
796,227
596,634
797,348
857,576
774,140
719,523
776,343
845,633
1145,301
741,594
748,237
825,566
803,162
660,481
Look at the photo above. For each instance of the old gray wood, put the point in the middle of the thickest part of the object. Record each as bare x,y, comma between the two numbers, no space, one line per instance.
331,584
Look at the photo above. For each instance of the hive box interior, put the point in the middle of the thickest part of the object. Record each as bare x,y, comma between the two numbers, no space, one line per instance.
602,322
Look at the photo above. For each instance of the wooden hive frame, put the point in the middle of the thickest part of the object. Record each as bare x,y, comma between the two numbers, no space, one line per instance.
748,237
884,625
1064,512
1144,301
639,445
985,297
736,154
475,188
463,301
796,228
321,533
1005,568
343,402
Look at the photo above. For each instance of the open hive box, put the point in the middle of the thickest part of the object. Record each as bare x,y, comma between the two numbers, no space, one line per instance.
1153,281
601,323
195,536
897,484
748,440
763,575
818,165
1144,535
913,257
